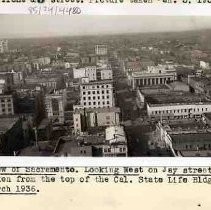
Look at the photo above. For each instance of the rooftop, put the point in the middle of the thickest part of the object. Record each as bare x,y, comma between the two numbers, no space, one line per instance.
73,148
98,110
178,84
106,81
180,126
175,97
7,123
155,87
191,137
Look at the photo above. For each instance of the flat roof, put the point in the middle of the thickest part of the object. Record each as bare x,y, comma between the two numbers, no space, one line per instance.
98,110
175,97
185,126
191,137
178,84
7,123
106,81
152,74
154,87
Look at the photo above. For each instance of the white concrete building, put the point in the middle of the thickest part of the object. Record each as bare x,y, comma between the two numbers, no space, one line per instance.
155,75
3,46
106,74
97,94
204,65
79,73
2,85
101,50
178,110
116,142
115,134
89,72
168,104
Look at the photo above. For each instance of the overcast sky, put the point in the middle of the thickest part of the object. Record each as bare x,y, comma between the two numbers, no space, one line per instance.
21,26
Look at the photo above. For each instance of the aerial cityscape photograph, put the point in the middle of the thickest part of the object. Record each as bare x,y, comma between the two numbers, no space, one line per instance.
105,86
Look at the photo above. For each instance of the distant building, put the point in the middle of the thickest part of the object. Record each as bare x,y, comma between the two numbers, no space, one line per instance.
201,85
4,46
155,75
17,77
2,86
101,50
104,72
50,82
89,72
6,105
204,65
8,80
132,66
90,59
40,62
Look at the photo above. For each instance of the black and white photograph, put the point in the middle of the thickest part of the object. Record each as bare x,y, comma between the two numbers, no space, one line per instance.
105,86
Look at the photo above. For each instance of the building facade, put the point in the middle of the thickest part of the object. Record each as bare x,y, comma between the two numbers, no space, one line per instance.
55,105
95,117
4,46
6,105
116,142
153,76
89,72
106,74
174,110
101,50
97,94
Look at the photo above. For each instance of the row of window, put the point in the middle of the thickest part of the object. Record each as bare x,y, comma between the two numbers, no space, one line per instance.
9,111
120,149
94,97
96,92
96,86
205,146
93,103
180,111
5,100
8,105
77,126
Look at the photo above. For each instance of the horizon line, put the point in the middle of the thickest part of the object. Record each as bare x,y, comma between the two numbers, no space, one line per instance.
106,34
